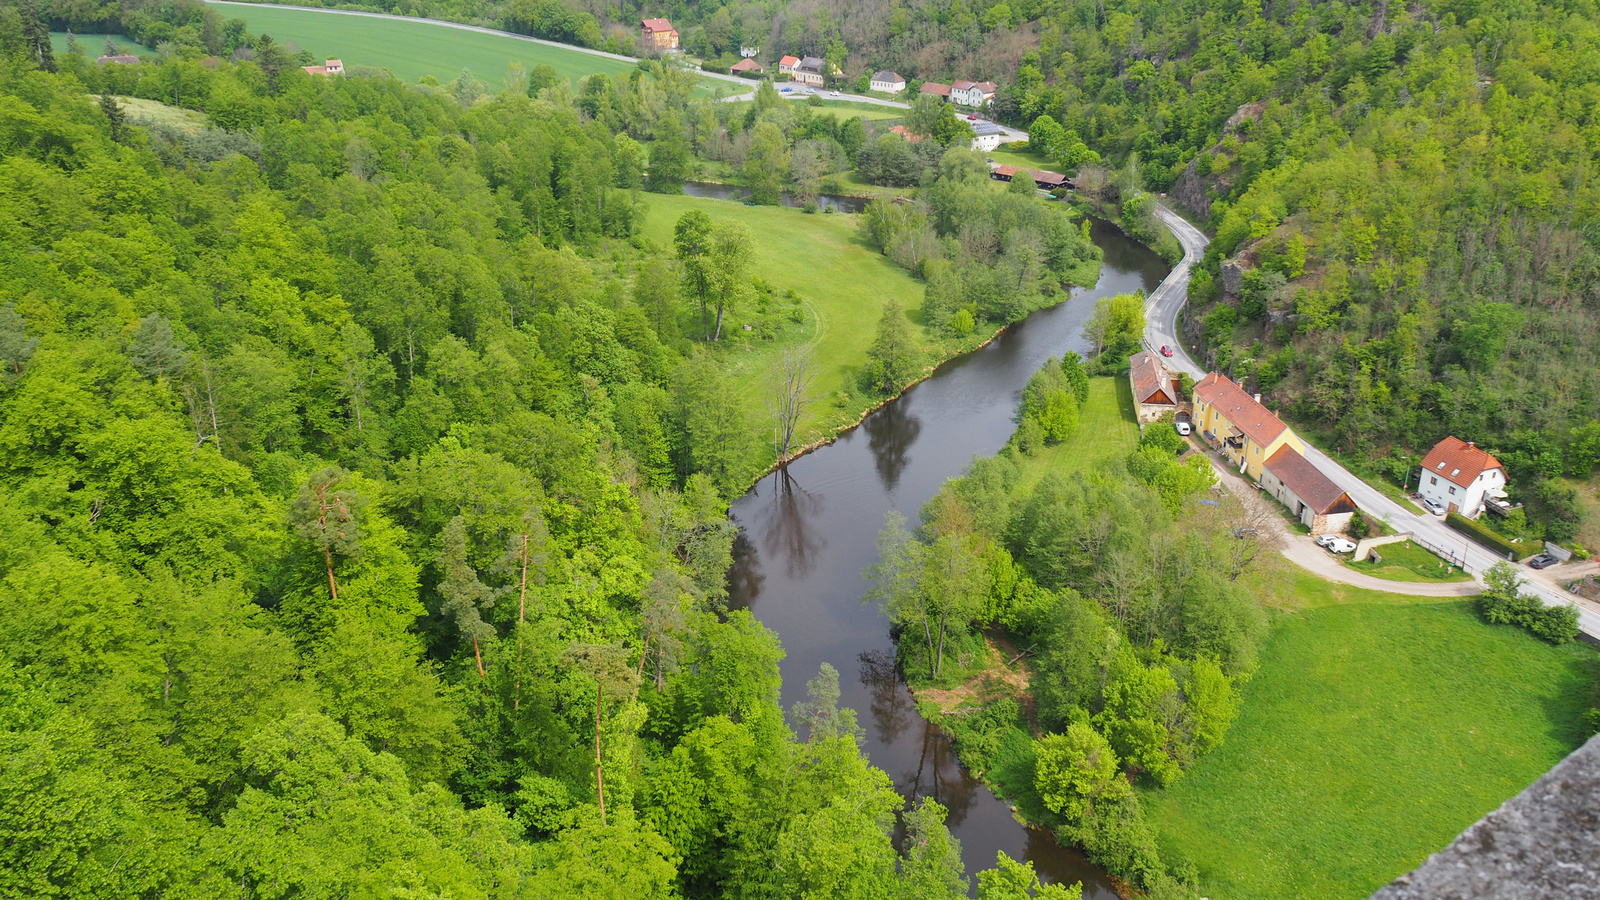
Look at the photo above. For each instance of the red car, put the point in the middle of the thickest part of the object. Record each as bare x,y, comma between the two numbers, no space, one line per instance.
1165,350
972,118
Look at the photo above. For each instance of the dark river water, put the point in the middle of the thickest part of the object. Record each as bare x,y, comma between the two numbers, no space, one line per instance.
839,203
806,538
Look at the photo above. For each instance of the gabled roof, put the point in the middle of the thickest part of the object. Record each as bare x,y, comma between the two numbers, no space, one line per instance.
960,85
1313,488
745,65
886,75
335,63
982,128
934,87
988,87
812,64
1459,461
1243,411
1151,383
653,25
790,61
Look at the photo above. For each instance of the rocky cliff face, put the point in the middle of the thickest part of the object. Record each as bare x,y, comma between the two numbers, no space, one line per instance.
1192,190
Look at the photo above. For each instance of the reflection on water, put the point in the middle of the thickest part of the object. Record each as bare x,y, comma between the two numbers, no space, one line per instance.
891,432
807,534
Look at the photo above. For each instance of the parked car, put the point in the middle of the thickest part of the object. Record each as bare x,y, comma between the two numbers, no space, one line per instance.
785,90
1434,506
834,93
972,118
1182,428
1542,561
1166,350
1336,543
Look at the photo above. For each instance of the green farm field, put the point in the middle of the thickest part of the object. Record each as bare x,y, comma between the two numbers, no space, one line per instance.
410,50
1376,729
844,283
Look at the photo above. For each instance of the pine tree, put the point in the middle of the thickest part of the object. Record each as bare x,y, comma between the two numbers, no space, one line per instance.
895,357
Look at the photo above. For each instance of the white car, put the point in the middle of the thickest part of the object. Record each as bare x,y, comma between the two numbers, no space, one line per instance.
1434,506
1336,543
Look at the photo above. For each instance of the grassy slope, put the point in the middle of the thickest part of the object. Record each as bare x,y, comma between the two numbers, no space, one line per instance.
1027,160
94,44
842,280
1377,728
411,50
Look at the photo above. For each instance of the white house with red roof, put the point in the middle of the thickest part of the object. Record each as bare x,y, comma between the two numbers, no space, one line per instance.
1462,477
787,65
331,67
974,94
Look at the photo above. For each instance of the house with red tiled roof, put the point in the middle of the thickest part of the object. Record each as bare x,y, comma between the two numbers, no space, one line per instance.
331,67
1312,496
1154,394
1462,477
1236,424
786,66
936,89
745,66
975,94
658,34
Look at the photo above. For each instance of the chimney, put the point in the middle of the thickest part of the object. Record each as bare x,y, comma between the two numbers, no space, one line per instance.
1257,396
1471,444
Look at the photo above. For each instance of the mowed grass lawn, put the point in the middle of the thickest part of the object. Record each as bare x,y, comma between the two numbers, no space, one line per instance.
1406,561
410,50
1376,729
842,280
1107,430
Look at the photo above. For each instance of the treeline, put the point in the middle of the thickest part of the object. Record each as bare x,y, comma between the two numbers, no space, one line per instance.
986,256
363,497
1127,596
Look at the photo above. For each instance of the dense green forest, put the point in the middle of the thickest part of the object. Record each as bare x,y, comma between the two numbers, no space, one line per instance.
364,483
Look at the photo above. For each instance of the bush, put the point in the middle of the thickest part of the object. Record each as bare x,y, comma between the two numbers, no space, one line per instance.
1503,603
1484,536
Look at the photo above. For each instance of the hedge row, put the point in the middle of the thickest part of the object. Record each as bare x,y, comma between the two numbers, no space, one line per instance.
1490,539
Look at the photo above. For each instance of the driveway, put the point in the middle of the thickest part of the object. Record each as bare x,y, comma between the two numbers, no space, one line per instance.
1161,316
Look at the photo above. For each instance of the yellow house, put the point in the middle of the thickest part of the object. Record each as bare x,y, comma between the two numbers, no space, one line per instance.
1238,425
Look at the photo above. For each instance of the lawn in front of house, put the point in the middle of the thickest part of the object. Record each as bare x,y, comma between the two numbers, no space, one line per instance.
1376,728
1406,561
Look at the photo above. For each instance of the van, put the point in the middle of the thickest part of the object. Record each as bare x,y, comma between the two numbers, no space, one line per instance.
1183,428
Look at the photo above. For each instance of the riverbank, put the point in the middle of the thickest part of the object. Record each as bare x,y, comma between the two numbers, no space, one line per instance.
844,283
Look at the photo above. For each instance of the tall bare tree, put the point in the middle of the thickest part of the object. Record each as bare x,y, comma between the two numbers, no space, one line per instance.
787,394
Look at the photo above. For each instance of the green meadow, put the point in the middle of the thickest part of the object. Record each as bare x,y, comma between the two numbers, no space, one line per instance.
412,49
1377,728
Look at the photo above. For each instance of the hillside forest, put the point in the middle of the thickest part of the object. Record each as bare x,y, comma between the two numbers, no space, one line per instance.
364,486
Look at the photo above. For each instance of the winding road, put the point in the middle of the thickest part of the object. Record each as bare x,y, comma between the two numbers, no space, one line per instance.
1161,327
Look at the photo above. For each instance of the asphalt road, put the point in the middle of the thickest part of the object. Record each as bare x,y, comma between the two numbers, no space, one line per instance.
1161,316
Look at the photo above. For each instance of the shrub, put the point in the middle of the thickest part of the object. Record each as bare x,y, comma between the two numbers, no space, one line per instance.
1483,535
1503,603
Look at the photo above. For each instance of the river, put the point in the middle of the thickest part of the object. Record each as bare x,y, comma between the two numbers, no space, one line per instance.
807,535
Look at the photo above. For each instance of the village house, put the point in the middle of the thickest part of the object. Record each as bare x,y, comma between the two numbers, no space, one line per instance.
1315,500
1236,424
331,67
1461,477
1154,394
810,71
787,65
745,67
986,136
1045,180
658,34
974,94
749,52
936,89
887,82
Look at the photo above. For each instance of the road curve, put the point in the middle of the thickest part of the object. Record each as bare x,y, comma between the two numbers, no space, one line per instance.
1161,317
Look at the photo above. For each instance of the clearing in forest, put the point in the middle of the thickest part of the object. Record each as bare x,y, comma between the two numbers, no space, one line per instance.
1376,729
412,49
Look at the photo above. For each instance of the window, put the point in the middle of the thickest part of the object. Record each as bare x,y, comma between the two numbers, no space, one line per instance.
1440,466
1432,480
1455,472
1452,492
1258,451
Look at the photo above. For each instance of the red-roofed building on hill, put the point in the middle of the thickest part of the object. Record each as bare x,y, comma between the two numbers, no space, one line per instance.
1236,423
331,67
936,89
658,34
786,66
1154,394
745,66
1462,477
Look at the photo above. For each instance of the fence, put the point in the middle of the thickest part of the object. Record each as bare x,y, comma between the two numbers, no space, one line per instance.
1451,555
